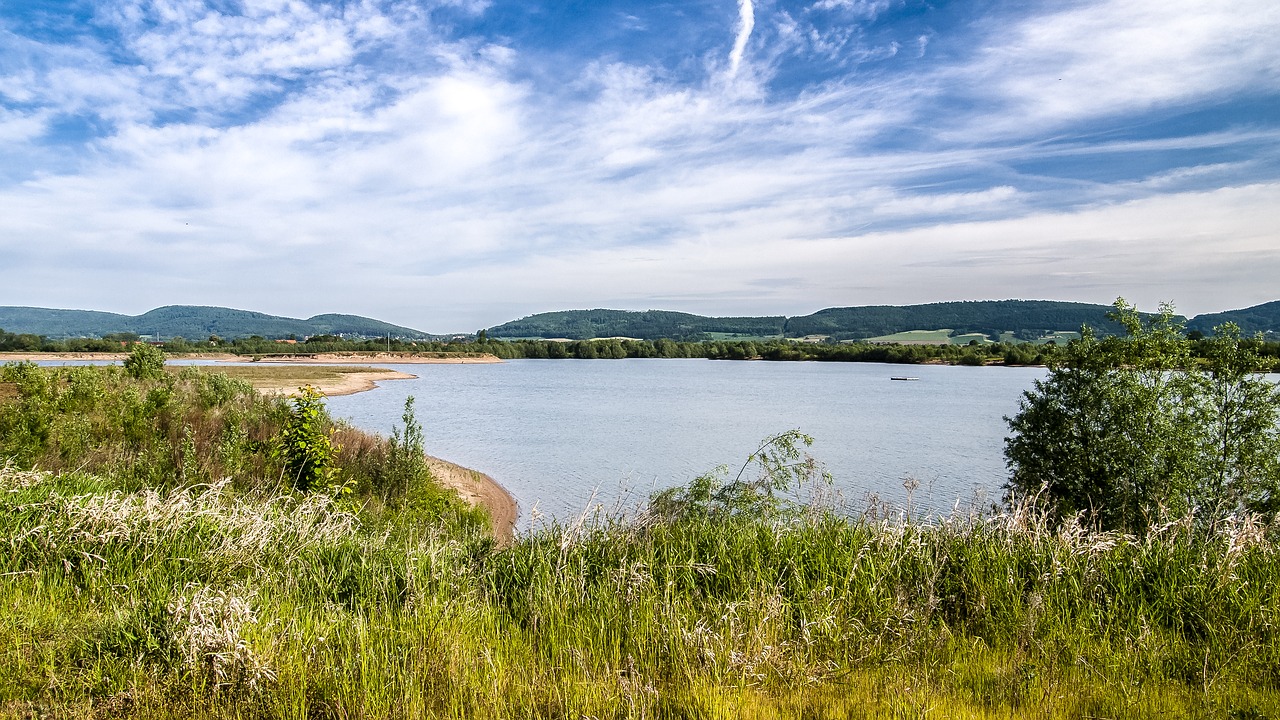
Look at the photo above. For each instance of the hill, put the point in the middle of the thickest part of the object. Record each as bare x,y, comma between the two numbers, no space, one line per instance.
1264,318
647,325
1026,319
192,322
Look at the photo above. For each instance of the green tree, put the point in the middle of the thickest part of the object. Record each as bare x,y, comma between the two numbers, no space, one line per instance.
304,444
145,362
1239,414
1129,427
406,456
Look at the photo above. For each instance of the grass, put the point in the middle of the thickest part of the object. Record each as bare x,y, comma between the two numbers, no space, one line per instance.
967,337
206,602
236,596
921,337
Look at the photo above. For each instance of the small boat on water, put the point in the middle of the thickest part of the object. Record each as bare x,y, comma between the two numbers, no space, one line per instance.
903,377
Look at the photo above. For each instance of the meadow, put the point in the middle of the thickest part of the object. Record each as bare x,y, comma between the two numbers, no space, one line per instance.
163,563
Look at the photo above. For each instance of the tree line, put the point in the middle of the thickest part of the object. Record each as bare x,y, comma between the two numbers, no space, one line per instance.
1199,349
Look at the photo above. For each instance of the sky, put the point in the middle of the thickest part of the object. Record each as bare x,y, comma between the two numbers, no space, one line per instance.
450,165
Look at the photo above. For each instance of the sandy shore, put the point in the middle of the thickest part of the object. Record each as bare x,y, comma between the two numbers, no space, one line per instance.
380,358
371,358
342,384
479,489
48,357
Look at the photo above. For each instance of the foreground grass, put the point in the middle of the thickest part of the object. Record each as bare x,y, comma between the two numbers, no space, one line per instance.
164,567
204,601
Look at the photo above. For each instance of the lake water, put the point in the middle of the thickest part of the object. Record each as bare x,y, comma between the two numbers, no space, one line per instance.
562,435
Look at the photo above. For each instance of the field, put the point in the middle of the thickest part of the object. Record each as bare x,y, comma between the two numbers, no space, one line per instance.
915,337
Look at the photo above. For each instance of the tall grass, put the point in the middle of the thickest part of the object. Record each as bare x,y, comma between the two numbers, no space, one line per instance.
235,599
207,602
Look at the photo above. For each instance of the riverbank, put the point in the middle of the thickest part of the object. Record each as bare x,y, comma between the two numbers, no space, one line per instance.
380,358
479,490
352,358
330,380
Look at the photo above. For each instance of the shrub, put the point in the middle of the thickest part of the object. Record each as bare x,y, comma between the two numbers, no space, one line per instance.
145,362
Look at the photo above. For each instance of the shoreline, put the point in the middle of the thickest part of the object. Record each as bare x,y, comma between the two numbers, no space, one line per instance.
479,490
348,383
378,358
373,358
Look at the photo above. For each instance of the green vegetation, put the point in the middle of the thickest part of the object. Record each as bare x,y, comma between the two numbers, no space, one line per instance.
1132,427
1263,319
911,337
647,325
304,444
145,362
165,562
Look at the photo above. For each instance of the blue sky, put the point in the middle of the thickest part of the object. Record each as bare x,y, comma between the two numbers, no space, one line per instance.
453,164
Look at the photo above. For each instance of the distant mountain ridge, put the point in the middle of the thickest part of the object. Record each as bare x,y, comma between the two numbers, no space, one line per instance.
193,322
1024,319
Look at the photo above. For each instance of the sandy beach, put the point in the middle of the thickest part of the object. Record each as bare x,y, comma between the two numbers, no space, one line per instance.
480,490
369,358
378,358
338,381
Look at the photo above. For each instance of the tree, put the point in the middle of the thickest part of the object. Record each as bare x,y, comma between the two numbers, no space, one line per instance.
1239,416
1129,427
145,362
305,446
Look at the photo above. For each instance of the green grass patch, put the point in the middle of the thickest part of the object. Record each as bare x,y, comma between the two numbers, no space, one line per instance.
930,337
966,338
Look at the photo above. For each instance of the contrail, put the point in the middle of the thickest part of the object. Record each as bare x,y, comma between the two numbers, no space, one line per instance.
746,23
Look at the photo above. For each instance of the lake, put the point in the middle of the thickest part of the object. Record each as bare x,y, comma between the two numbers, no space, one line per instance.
562,435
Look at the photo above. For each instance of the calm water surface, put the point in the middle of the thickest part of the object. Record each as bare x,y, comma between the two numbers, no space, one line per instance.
559,433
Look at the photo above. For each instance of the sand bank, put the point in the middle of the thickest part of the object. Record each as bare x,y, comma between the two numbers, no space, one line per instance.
330,385
481,490
380,358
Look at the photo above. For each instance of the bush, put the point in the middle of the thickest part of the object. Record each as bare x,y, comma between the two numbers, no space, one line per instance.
1128,429
304,443
145,362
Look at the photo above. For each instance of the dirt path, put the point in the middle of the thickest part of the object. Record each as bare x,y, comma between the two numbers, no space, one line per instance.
479,489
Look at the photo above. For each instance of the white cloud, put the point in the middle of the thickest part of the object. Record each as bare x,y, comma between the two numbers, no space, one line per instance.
746,23
1116,56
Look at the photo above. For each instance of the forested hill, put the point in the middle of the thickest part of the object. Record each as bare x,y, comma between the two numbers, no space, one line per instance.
990,317
1029,318
1263,318
192,322
647,325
